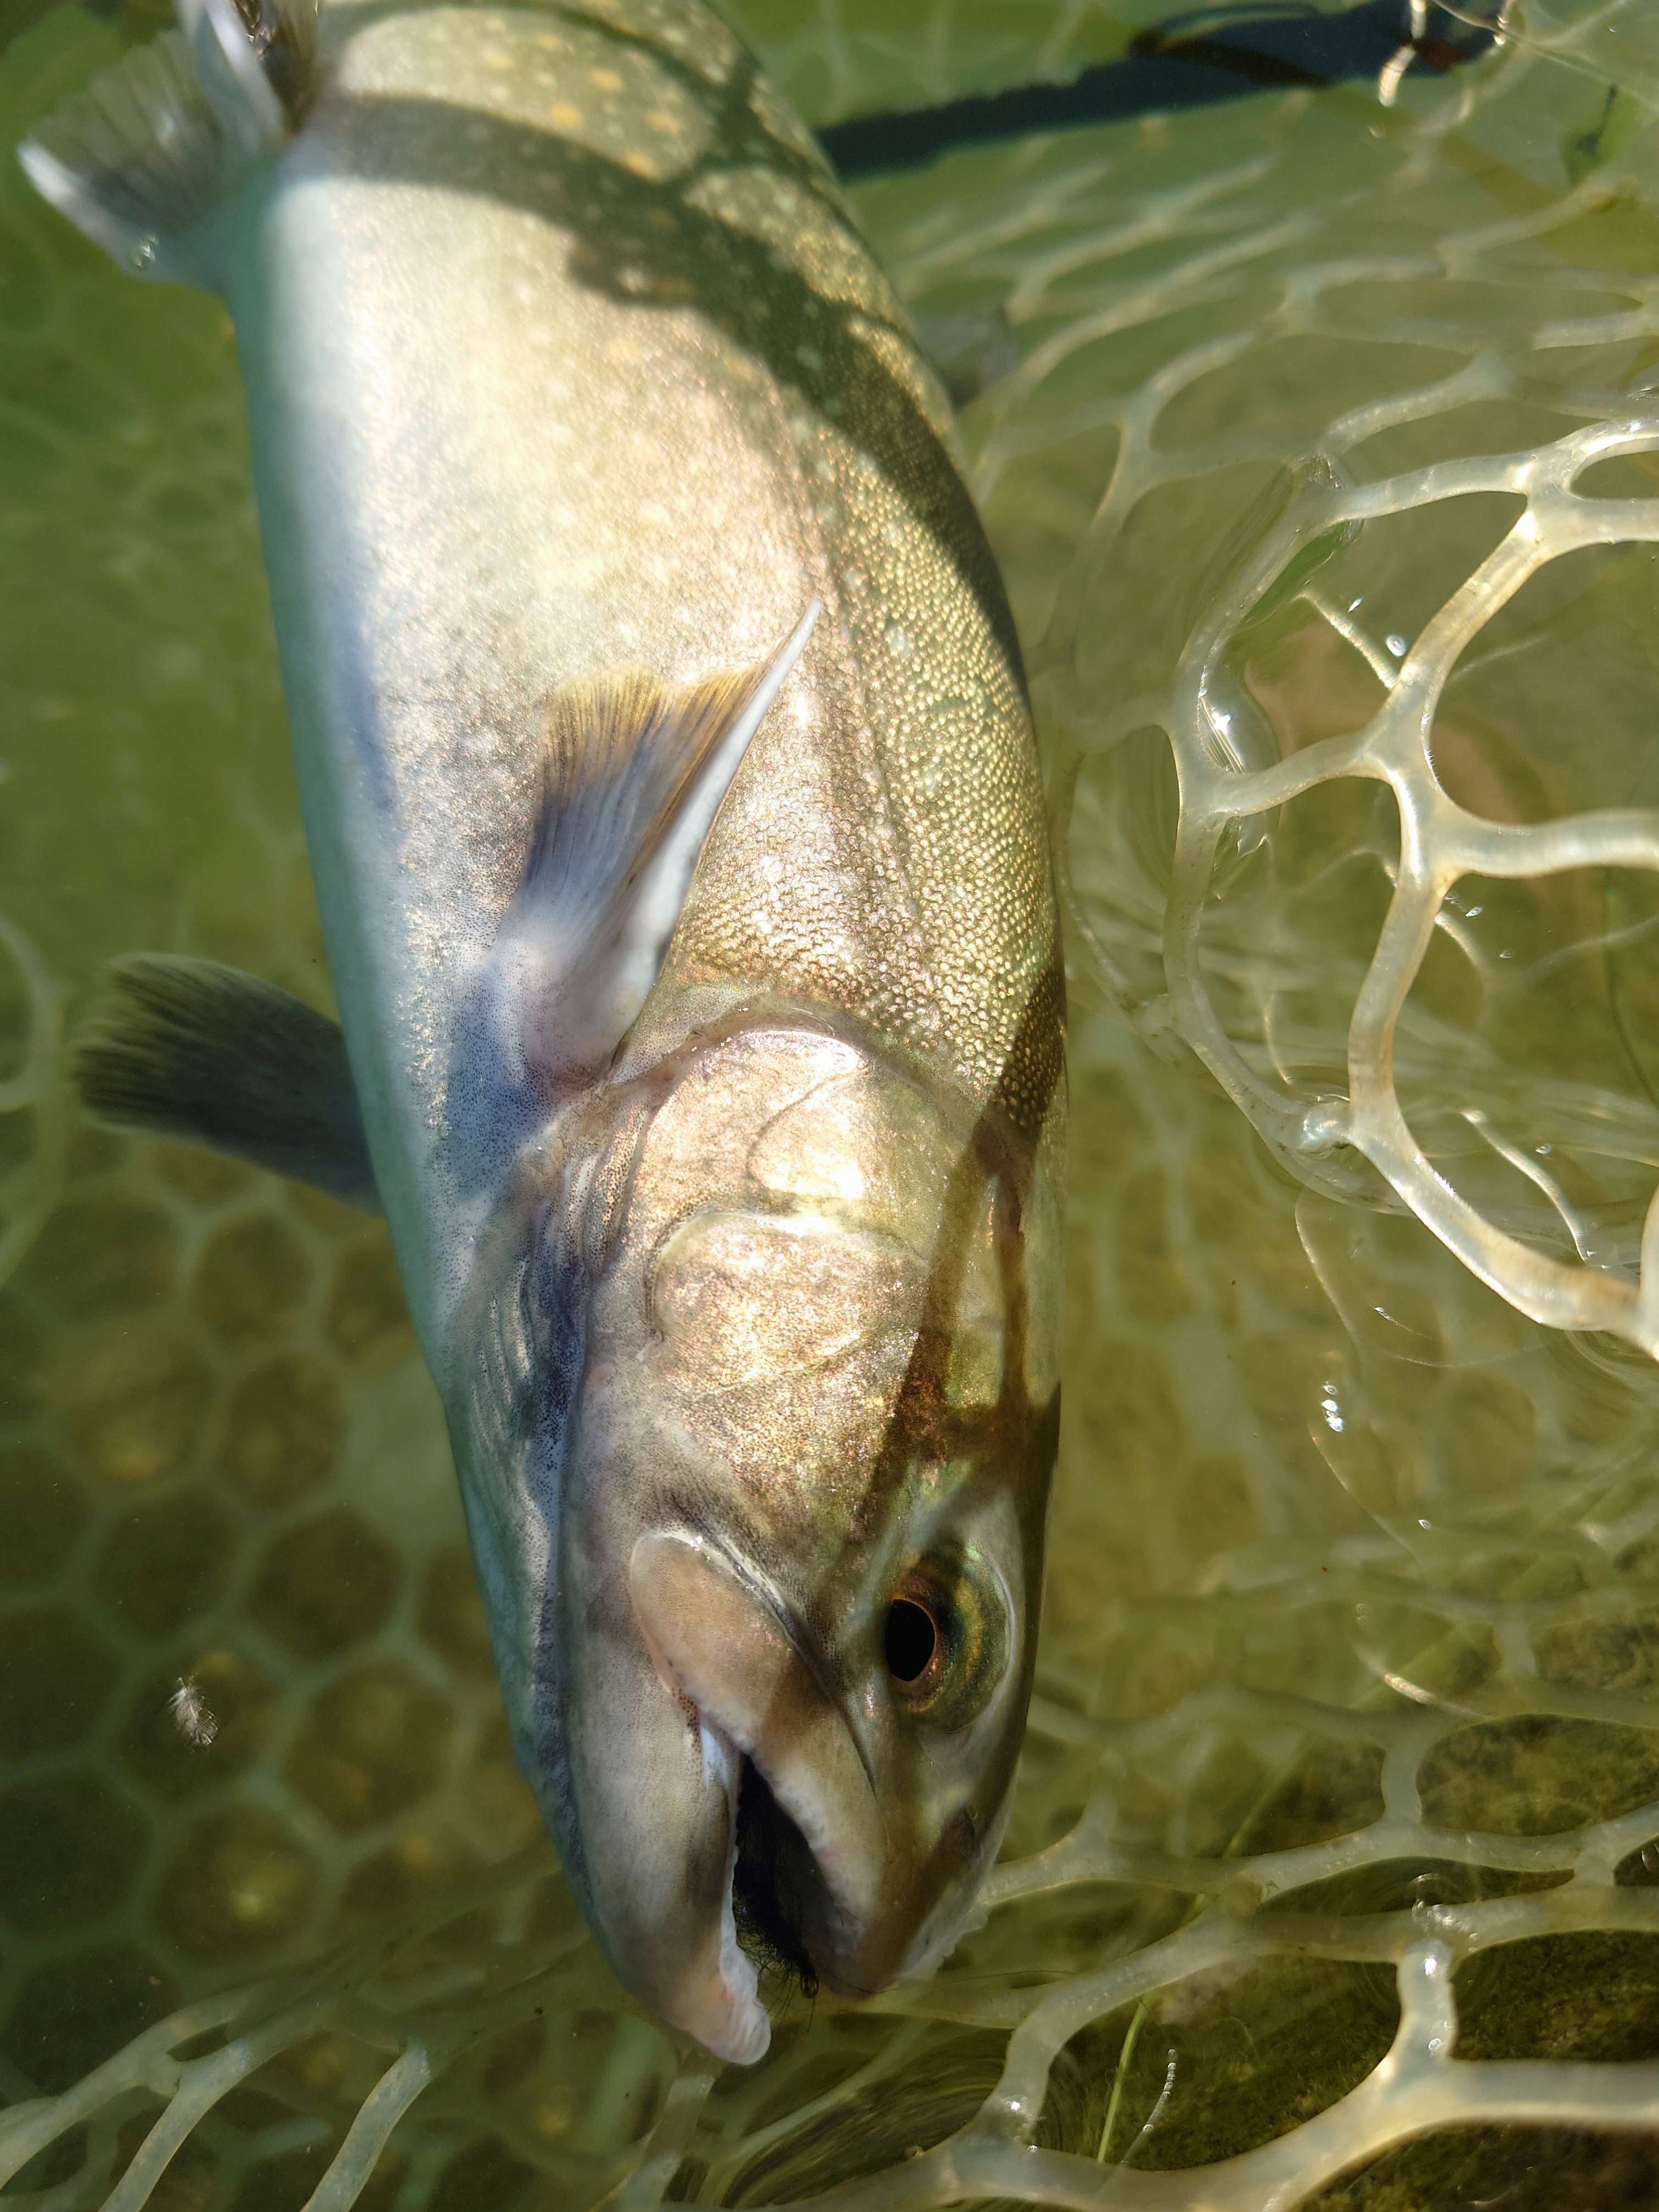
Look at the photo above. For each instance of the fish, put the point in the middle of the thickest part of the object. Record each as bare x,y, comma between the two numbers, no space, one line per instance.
666,764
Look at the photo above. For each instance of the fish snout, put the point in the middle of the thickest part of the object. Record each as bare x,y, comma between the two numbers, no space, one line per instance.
648,1824
809,1859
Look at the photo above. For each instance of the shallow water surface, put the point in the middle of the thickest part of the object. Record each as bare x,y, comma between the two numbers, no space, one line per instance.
1346,1747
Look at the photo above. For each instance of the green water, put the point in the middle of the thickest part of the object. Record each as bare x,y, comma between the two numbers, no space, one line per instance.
1354,1607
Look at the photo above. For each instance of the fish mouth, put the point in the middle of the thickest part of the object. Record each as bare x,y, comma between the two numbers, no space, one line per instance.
806,1838
776,1885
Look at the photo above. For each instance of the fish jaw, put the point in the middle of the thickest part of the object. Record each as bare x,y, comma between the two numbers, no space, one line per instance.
705,1683
646,1824
726,1644
699,1979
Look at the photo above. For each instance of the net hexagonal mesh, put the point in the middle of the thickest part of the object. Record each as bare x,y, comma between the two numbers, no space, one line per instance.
1319,453
1288,687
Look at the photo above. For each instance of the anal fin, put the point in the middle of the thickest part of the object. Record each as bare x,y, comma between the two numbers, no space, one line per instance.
633,775
190,1049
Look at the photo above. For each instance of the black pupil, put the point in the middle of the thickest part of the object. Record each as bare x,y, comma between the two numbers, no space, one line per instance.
910,1640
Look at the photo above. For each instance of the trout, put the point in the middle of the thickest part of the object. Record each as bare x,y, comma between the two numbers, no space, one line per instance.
670,790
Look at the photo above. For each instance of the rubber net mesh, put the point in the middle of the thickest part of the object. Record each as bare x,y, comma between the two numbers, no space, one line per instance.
1319,436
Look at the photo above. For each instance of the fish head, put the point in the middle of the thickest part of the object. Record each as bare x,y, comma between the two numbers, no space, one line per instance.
799,1544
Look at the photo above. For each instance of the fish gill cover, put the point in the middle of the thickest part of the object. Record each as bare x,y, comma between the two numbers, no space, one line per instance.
1320,444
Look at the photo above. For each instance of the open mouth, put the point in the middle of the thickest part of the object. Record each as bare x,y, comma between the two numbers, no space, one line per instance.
805,1842
775,1883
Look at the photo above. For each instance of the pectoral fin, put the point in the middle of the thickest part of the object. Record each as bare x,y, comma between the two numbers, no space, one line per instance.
634,775
187,1048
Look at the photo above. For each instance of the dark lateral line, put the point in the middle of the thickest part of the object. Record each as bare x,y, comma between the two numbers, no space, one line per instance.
1161,71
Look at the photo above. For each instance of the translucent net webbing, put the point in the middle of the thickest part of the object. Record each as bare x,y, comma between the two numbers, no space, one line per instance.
1319,446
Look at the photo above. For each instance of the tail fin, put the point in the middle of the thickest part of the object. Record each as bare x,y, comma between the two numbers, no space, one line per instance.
139,160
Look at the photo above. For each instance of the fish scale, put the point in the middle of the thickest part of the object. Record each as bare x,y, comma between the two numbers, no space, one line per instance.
569,495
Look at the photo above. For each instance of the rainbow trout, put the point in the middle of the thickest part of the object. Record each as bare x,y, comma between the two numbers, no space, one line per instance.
670,791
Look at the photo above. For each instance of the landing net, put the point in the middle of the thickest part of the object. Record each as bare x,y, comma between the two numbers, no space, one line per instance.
1319,436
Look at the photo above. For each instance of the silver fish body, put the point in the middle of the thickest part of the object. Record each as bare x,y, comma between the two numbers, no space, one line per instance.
723,1174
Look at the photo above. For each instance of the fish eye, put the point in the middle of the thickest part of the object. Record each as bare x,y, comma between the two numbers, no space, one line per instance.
945,1637
910,1640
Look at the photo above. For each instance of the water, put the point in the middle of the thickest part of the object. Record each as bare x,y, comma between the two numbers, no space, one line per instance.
1345,1723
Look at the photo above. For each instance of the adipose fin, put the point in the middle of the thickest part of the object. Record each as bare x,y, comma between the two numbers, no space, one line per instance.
634,775
190,1049
142,158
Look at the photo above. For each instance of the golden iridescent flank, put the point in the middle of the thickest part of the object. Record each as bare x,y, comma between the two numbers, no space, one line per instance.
722,1161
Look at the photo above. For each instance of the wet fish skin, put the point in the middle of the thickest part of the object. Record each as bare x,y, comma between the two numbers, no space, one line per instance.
564,359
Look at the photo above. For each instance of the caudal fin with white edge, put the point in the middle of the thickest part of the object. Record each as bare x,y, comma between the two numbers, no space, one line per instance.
144,157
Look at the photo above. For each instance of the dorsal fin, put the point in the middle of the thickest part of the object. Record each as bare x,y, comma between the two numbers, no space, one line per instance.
633,775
